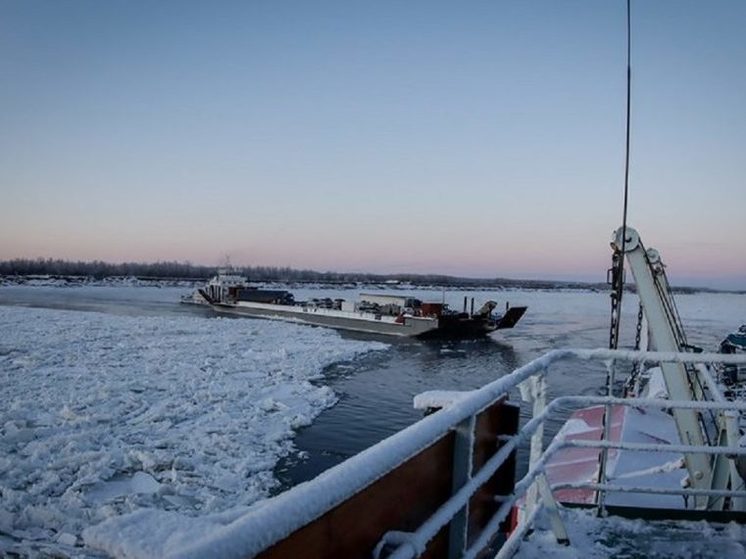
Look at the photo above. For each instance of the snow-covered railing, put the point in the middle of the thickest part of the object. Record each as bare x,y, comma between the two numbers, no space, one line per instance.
535,390
281,516
535,482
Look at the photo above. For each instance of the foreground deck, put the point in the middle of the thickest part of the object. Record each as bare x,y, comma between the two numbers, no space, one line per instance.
593,537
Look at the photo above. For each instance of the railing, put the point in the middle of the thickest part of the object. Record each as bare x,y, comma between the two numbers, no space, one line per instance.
535,485
288,513
532,380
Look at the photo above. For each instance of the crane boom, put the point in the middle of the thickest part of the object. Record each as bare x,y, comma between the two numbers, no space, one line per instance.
666,334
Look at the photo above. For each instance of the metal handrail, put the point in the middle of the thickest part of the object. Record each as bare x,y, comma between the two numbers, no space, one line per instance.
513,541
417,540
279,517
284,514
720,403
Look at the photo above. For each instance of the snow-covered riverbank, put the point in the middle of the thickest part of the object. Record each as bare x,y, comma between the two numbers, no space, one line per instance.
104,415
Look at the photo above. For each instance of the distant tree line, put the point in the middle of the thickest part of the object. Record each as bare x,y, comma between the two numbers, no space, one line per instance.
98,269
186,270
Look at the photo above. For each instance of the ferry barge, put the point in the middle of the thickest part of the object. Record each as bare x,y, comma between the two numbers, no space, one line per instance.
391,315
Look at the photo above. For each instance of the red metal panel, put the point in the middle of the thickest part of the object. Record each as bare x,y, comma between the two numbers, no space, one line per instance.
432,309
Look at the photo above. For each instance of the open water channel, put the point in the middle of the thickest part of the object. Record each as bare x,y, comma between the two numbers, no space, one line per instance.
376,390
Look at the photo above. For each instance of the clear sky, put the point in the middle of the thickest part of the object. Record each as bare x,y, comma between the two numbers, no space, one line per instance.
467,138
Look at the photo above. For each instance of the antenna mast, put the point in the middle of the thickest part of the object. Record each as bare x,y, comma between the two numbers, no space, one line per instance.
617,271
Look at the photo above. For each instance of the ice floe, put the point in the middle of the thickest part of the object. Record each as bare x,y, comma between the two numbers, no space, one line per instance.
106,415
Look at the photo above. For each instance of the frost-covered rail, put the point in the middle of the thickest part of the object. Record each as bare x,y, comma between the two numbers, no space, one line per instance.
293,518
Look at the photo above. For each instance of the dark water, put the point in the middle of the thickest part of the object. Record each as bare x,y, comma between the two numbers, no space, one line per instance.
376,390
376,393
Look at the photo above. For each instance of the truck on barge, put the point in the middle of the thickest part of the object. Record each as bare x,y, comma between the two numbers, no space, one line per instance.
391,315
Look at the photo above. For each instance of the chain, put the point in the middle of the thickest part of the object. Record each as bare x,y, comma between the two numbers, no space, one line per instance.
615,299
634,373
614,318
639,328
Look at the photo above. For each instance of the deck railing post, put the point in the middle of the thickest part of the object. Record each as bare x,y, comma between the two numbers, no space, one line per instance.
534,391
463,454
733,435
604,455
550,504
724,468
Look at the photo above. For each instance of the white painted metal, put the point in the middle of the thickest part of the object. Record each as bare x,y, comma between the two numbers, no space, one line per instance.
646,269
533,391
724,471
550,504
650,490
733,438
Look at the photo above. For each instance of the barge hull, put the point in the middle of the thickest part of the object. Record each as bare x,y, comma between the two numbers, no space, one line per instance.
411,327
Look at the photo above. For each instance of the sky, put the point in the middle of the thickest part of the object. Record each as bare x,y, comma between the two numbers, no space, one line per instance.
474,139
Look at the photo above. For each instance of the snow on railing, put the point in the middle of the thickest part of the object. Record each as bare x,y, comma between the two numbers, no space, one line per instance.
537,469
413,544
275,519
539,460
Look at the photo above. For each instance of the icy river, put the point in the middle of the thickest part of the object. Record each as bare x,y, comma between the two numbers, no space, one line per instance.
117,399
